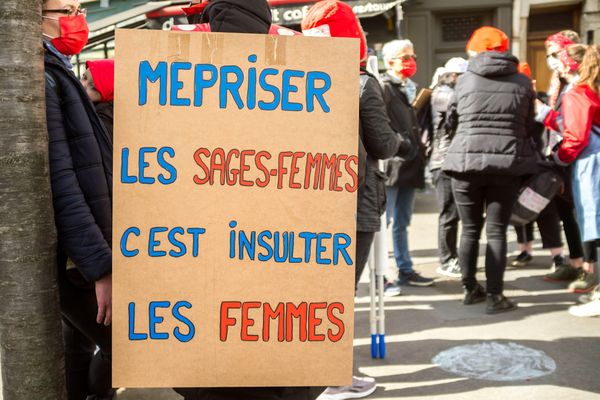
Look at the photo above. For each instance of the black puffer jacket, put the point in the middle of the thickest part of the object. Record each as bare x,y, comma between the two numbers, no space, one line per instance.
381,142
81,173
442,137
492,112
402,171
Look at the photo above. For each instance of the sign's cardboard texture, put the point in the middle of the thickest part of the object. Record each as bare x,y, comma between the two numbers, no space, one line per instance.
159,293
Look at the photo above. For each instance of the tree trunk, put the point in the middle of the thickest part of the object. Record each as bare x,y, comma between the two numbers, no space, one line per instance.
31,350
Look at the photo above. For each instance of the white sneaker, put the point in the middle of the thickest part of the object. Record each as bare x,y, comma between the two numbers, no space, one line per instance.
591,296
361,387
450,269
591,309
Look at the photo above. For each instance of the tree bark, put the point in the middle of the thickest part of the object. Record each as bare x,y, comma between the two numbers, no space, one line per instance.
31,349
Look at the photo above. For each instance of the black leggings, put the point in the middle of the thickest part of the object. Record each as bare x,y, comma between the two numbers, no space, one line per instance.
88,373
474,195
548,223
364,240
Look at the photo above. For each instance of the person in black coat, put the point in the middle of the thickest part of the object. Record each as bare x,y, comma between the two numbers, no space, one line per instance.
404,176
492,113
80,156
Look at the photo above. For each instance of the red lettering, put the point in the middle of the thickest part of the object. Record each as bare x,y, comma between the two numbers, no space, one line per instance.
234,172
281,169
353,174
328,163
313,163
292,312
245,167
198,159
313,322
337,173
336,321
248,322
294,170
226,321
217,166
261,166
277,313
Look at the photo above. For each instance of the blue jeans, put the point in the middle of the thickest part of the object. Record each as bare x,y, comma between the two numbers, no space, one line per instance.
399,208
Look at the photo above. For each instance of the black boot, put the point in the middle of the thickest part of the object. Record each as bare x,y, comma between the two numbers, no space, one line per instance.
474,296
497,303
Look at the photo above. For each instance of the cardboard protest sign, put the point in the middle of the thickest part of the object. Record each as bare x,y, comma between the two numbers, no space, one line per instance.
235,179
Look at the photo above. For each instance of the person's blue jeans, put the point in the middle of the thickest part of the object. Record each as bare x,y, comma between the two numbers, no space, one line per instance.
399,209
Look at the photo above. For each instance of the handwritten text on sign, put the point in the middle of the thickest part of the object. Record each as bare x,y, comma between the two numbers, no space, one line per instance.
234,209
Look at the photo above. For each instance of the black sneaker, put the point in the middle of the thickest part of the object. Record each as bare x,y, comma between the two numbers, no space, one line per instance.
498,303
522,260
558,261
474,296
414,279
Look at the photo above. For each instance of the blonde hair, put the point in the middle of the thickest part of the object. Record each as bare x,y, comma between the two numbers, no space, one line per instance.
572,35
589,70
576,52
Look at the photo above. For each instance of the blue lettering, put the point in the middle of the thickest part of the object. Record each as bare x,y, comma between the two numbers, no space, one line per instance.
269,88
184,338
341,248
288,87
143,165
313,92
146,73
152,242
177,85
308,238
247,244
292,259
284,237
124,250
231,87
182,250
321,249
168,167
196,232
125,177
262,243
132,334
153,320
200,83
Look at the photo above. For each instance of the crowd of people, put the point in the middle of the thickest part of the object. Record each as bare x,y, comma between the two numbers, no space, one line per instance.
485,133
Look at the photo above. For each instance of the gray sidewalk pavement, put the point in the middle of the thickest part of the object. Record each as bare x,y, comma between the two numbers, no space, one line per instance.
423,322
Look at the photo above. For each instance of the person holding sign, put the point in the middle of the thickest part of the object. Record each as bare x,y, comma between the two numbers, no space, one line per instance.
243,16
80,152
332,18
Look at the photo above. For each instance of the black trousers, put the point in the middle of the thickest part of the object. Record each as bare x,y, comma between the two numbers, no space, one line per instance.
88,372
548,223
566,212
495,195
448,219
364,240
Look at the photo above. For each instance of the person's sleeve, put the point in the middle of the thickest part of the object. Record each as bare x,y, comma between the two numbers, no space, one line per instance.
451,114
577,121
80,237
551,120
379,138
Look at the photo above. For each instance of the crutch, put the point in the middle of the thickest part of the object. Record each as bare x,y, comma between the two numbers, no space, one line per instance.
378,258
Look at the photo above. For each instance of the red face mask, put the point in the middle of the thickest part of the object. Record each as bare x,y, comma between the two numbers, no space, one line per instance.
409,67
74,33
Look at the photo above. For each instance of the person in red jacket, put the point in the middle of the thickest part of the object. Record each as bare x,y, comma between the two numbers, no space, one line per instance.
581,148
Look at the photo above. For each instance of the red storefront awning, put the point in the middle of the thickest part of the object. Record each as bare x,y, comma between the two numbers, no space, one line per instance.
291,12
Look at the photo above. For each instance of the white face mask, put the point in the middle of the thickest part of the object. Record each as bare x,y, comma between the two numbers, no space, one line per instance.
553,63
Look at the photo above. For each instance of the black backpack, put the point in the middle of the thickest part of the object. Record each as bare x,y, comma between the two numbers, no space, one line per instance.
535,195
